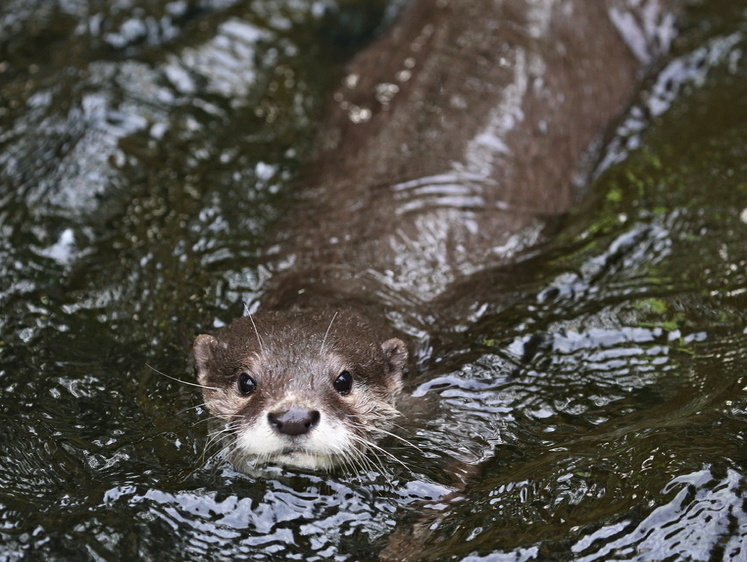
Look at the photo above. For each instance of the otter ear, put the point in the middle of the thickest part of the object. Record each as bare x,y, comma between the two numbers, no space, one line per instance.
202,351
395,351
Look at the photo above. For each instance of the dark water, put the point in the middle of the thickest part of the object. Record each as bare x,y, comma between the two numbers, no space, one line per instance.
144,149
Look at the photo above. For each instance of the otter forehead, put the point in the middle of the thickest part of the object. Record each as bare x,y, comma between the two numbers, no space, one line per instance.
296,372
305,340
297,360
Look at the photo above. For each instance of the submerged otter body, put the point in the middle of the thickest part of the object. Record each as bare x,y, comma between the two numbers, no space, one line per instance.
454,143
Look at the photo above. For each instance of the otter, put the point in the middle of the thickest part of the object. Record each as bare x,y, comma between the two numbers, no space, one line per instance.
454,144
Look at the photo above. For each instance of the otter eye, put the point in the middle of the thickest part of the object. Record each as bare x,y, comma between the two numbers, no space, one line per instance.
246,384
343,383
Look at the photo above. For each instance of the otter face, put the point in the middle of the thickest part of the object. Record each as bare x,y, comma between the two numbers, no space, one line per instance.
309,390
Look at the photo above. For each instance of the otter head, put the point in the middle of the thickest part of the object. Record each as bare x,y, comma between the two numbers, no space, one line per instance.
310,390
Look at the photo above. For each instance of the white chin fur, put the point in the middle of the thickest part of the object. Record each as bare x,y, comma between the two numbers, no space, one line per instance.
320,449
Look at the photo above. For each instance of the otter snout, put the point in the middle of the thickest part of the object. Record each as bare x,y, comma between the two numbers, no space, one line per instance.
296,420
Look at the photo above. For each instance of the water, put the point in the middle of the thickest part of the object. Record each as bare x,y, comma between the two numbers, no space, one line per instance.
602,394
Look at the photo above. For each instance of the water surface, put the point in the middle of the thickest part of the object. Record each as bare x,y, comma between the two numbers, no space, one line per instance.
146,147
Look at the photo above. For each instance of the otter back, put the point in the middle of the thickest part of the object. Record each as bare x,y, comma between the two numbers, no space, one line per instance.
451,146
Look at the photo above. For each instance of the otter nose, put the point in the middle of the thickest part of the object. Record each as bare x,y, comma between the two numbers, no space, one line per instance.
296,420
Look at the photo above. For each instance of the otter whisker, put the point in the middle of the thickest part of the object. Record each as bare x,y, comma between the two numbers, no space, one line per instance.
362,463
221,453
400,438
203,461
382,429
206,458
324,339
259,338
204,420
188,408
219,435
212,449
358,457
221,444
368,443
180,380
348,461
377,465
374,447
222,436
